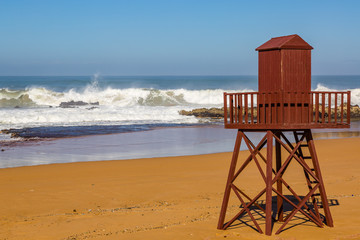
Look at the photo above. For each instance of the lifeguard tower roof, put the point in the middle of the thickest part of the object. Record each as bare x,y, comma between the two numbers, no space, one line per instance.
286,42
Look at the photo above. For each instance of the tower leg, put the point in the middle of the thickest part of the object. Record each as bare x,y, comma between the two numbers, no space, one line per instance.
324,200
229,180
268,219
280,204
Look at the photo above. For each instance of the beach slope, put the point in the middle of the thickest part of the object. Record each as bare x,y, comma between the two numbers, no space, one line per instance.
162,198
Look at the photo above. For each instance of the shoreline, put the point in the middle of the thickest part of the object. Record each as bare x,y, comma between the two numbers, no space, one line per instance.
162,198
158,142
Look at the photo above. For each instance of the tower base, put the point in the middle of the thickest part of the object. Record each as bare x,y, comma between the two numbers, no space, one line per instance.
272,172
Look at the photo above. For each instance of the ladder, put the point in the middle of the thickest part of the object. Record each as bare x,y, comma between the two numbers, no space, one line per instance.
306,152
310,182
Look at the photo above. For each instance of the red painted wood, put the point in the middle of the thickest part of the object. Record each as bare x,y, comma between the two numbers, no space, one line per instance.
335,107
296,70
225,109
285,65
342,108
246,107
279,200
270,71
258,111
309,138
348,106
329,107
281,108
285,102
311,106
268,209
323,107
285,42
231,109
252,108
317,107
236,109
296,108
230,177
241,108
262,109
274,111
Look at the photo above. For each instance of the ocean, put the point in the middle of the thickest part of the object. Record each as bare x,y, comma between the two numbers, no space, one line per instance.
66,106
54,119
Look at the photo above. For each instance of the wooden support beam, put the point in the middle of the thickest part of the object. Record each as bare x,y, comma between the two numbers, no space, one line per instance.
323,108
324,200
329,107
311,100
246,108
236,109
336,107
230,177
348,107
252,108
268,220
280,204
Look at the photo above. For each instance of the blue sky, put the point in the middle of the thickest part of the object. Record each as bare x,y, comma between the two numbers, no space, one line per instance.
171,37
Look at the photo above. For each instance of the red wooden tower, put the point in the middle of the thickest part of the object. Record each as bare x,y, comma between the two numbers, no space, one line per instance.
284,105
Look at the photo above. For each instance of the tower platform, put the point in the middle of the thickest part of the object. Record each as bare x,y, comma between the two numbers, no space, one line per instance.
286,110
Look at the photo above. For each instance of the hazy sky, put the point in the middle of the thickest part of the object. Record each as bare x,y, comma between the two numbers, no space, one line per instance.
171,37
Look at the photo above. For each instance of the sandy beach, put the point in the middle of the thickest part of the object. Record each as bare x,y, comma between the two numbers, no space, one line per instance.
161,198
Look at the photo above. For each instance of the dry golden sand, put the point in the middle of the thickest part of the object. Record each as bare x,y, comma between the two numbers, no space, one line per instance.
162,198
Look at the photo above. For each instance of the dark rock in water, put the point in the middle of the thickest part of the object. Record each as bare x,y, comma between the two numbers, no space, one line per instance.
204,112
72,104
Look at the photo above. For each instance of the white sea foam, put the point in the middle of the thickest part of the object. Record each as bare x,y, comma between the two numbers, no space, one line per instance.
38,106
19,118
355,93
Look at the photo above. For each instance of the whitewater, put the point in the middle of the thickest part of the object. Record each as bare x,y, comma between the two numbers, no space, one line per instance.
41,107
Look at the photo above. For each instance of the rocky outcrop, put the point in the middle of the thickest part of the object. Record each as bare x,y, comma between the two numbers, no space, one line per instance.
205,113
73,104
217,113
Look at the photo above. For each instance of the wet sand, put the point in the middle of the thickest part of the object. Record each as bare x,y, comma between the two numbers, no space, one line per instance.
164,198
160,142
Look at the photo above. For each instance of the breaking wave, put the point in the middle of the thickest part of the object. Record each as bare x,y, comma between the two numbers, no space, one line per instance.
130,97
41,97
41,106
355,93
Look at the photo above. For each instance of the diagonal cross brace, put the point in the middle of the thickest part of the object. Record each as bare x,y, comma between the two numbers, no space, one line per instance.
246,209
270,176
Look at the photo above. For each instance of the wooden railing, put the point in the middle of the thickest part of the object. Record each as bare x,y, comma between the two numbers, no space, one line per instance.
278,110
